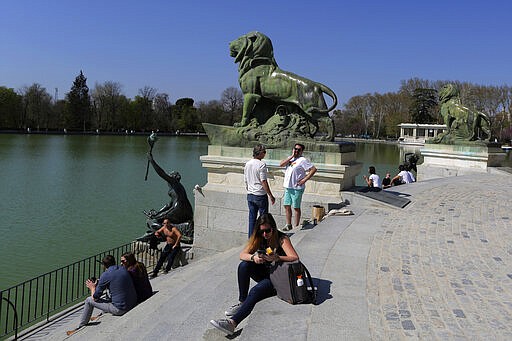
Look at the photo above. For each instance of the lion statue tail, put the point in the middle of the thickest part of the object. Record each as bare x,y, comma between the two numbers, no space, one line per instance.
326,90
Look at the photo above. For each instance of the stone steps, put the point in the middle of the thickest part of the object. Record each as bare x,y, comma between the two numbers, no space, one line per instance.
188,297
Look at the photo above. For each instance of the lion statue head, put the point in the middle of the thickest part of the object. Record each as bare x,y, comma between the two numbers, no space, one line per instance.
447,92
253,47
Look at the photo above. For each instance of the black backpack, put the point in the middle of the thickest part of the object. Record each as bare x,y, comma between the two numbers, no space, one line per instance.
284,276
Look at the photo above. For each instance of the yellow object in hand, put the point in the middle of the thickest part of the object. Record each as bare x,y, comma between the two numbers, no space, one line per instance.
269,251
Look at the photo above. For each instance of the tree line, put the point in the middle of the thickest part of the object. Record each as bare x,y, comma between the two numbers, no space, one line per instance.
378,115
106,108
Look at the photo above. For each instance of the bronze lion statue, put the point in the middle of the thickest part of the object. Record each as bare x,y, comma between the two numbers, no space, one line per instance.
463,124
266,88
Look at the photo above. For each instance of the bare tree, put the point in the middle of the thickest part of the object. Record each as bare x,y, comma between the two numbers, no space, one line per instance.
148,93
144,106
360,106
232,101
107,100
36,106
162,107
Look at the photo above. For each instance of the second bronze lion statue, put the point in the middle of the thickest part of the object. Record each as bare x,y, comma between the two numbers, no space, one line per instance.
462,123
265,87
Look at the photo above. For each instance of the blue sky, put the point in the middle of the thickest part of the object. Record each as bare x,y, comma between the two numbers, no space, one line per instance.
181,47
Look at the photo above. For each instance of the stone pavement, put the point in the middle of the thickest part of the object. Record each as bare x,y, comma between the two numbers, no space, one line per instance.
443,266
438,269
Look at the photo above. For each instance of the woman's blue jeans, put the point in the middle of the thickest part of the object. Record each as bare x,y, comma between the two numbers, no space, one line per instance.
262,290
256,203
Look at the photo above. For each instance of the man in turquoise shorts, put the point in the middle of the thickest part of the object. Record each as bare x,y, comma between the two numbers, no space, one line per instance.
298,171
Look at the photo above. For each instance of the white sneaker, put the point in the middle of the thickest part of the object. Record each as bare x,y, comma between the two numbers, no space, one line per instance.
233,309
225,325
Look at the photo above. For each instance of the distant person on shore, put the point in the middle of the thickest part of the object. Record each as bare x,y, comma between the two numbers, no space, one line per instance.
386,182
253,265
373,180
298,170
119,284
256,184
139,274
402,177
172,238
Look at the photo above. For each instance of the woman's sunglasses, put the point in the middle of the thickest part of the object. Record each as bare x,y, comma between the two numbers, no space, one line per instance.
262,231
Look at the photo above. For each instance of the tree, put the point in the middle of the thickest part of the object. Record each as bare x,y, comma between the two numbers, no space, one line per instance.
185,116
107,102
387,108
144,108
423,108
396,107
232,100
162,107
10,108
79,104
410,85
36,107
213,112
360,107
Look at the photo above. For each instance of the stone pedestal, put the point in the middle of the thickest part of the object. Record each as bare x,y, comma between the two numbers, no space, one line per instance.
441,160
221,215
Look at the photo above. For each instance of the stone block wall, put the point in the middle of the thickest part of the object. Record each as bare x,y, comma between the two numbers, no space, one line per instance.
221,215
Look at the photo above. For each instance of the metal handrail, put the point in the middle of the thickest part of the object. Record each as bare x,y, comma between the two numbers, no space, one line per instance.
15,322
43,296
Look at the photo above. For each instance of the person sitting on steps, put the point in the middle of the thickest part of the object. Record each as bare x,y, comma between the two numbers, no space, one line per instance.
139,274
254,265
373,180
402,177
386,182
118,282
172,248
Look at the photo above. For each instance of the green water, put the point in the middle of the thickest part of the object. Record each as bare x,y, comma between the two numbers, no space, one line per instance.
64,198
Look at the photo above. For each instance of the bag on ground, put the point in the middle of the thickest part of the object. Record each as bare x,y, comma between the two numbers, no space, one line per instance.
293,282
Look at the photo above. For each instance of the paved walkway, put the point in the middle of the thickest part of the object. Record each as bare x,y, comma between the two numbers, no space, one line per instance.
439,269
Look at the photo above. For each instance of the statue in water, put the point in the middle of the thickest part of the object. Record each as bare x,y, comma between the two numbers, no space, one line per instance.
178,210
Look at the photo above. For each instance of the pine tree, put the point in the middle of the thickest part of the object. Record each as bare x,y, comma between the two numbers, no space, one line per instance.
79,104
424,105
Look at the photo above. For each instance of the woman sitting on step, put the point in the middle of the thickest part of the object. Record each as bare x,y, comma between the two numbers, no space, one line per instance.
139,274
266,244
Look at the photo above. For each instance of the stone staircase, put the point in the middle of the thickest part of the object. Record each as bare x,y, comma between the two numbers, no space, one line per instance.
187,298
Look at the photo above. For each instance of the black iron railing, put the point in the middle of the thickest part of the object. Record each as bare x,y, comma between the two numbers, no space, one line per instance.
41,297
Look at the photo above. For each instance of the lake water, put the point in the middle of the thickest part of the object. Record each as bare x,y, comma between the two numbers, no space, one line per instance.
66,197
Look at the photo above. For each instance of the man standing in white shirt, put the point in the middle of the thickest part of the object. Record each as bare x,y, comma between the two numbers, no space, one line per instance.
256,184
298,171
